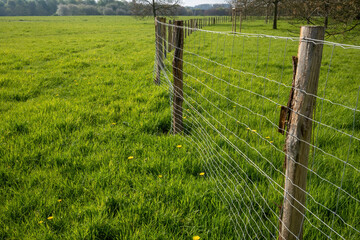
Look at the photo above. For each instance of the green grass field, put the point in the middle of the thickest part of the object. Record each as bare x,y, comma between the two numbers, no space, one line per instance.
84,146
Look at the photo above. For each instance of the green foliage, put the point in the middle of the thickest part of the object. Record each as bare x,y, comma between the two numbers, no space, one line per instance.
63,8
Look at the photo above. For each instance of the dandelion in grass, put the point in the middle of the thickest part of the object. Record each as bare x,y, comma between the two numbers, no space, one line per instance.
76,84
40,222
267,137
196,237
271,141
50,218
131,157
253,130
179,146
202,174
113,123
160,176
184,117
248,128
60,200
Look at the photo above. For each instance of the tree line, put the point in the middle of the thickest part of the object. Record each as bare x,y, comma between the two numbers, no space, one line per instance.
101,7
63,7
337,16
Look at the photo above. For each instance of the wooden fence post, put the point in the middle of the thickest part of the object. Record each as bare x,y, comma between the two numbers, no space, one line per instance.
299,132
170,37
178,78
159,55
163,35
191,26
185,29
240,22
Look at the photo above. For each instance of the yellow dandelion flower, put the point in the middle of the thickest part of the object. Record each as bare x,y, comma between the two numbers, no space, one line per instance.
160,176
267,137
113,123
253,130
248,128
202,174
50,218
76,84
196,237
179,146
131,157
184,117
60,200
271,141
40,222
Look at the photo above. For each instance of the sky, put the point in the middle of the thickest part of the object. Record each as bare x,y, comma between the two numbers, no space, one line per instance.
197,2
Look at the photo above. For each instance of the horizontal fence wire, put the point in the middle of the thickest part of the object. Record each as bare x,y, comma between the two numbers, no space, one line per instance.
233,87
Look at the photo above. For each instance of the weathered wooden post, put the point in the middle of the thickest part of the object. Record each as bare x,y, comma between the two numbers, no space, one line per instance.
233,20
189,26
159,55
185,28
178,78
170,37
163,35
240,16
299,132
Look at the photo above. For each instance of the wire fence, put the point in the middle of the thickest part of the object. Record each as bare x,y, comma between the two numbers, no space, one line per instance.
233,88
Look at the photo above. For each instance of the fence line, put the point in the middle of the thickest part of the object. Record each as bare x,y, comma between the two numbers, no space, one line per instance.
237,156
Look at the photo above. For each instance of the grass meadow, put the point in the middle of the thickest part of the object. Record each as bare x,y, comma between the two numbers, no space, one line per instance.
85,149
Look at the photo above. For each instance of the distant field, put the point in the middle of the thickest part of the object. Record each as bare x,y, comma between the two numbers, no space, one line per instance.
84,146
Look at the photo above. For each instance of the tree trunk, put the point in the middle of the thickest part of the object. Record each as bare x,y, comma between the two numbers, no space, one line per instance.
267,14
326,20
154,8
276,2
